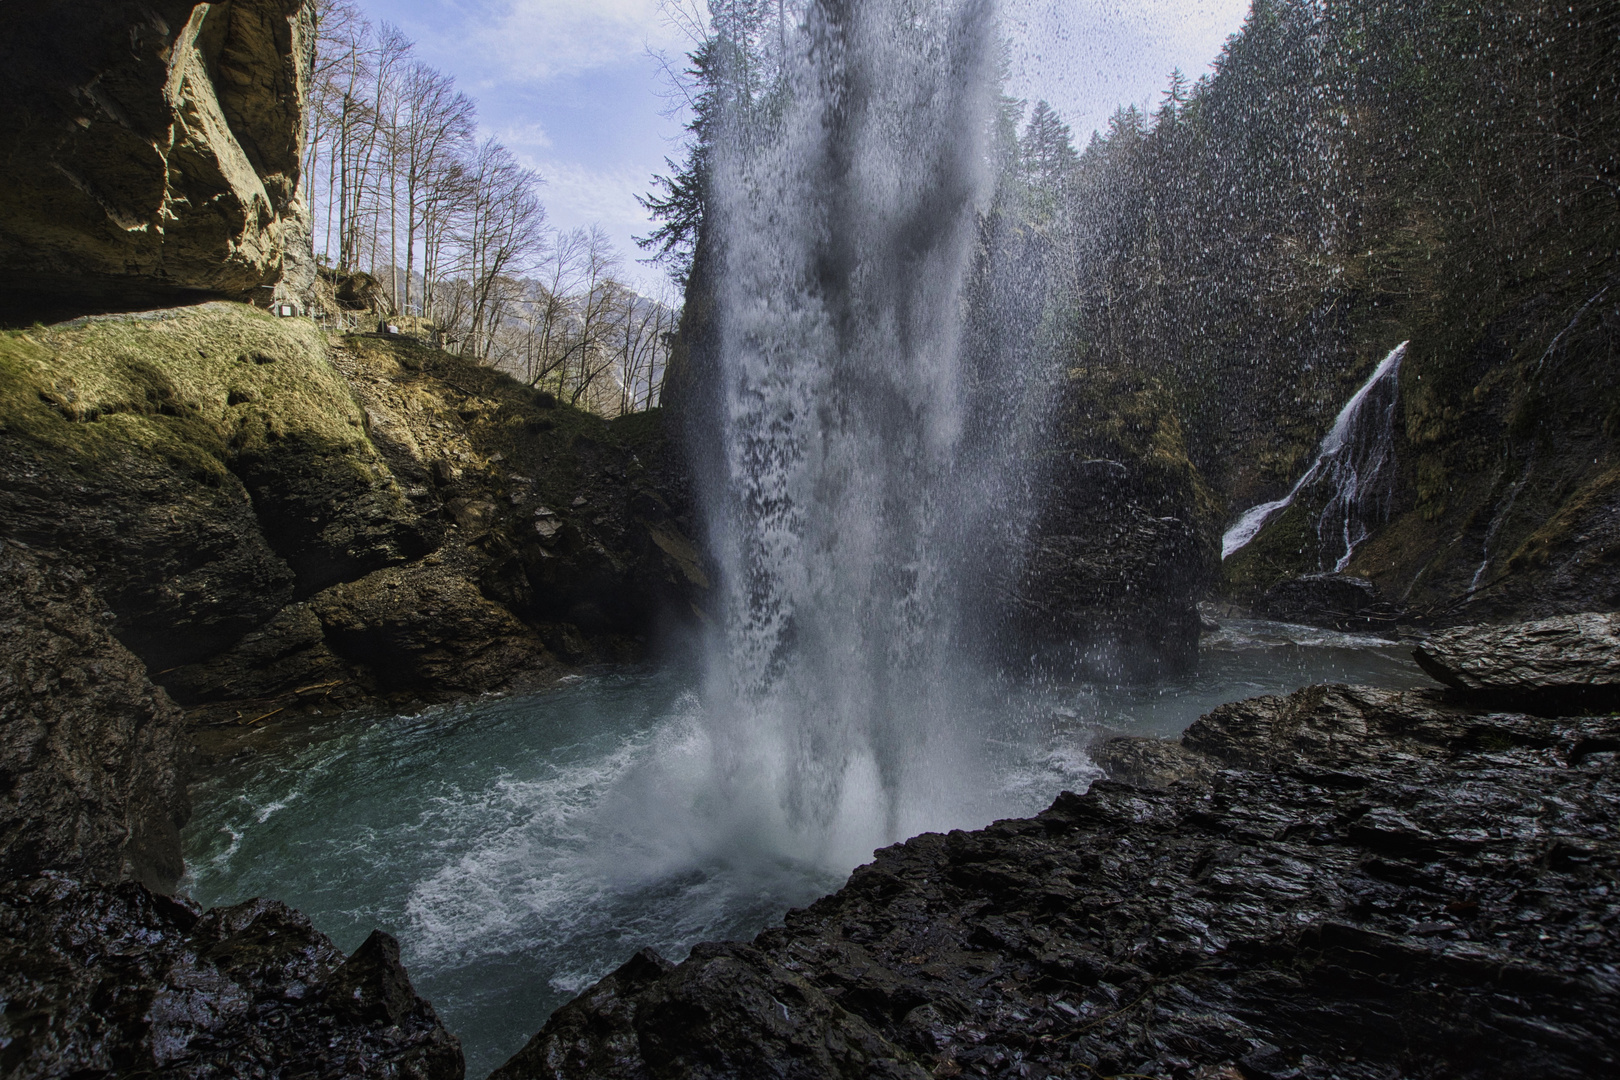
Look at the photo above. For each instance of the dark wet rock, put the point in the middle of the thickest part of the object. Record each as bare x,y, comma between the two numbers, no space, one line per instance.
581,527
1339,601
287,652
681,1021
1153,763
90,752
1566,660
1352,883
423,626
117,980
1122,547
1113,597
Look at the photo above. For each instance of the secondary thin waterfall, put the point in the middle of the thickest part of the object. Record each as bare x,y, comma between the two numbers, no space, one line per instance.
1355,464
843,500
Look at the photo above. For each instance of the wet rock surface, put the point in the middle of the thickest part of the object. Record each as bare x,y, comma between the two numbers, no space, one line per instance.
1344,882
91,754
1569,660
114,980
1333,600
416,625
1124,546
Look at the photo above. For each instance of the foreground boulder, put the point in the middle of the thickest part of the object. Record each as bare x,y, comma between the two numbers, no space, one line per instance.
151,150
91,753
1569,660
115,980
1345,882
102,975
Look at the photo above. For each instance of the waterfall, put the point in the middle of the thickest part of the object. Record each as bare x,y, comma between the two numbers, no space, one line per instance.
1355,463
1497,521
846,490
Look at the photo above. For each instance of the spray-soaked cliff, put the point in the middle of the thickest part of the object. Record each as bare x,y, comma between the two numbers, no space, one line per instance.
1356,174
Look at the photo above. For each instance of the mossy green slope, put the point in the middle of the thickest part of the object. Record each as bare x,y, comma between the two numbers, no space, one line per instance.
208,463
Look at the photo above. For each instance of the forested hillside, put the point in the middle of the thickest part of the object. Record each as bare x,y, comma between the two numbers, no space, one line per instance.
416,218
1354,174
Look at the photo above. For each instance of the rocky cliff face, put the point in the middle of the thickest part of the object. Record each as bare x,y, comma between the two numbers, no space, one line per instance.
1124,545
92,755
1506,501
150,150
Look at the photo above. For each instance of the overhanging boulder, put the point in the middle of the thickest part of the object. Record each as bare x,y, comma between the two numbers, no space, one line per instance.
150,150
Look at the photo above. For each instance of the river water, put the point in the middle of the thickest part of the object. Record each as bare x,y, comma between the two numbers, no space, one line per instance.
520,848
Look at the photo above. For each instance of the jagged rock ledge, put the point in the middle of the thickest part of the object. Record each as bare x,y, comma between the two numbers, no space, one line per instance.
114,980
1346,882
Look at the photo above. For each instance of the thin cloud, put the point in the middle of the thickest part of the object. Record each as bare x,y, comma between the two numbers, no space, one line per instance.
541,40
524,140
579,197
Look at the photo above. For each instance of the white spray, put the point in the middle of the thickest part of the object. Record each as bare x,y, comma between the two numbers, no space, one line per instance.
842,506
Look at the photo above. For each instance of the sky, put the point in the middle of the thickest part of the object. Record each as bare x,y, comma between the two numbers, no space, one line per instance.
579,91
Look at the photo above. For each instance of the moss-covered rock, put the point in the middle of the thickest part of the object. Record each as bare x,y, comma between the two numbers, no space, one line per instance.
580,525
207,464
233,484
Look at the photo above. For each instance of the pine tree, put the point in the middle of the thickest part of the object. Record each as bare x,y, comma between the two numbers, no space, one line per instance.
1175,98
1047,147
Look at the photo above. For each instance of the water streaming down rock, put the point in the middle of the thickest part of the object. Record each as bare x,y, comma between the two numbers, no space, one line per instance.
1354,465
847,491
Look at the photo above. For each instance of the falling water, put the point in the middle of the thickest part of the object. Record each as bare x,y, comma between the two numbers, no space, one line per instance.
1354,463
843,495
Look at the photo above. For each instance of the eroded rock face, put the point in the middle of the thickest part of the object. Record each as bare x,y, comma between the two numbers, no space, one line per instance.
1336,600
1567,659
418,625
1345,883
90,752
150,149
116,980
1123,546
